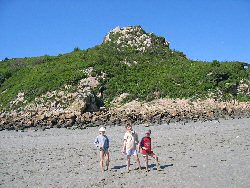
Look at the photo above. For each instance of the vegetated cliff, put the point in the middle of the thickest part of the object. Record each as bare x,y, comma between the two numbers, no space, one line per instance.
131,69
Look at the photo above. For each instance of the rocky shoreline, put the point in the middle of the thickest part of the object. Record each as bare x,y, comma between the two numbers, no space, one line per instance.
159,111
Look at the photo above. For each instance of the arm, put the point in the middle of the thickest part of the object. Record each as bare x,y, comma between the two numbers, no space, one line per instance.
124,146
107,142
137,142
124,143
96,142
142,144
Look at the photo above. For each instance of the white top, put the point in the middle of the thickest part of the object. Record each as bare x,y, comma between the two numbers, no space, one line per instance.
131,139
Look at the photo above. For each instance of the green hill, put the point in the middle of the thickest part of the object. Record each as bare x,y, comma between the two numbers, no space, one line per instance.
135,62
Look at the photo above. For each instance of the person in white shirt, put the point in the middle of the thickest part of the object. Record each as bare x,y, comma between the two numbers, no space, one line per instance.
131,145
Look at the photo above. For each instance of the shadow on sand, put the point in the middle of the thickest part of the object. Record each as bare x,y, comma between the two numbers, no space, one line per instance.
153,166
118,167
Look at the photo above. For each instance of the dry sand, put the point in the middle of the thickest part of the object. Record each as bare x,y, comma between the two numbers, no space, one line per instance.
208,154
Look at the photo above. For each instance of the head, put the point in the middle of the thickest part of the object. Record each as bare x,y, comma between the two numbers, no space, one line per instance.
102,130
129,127
148,133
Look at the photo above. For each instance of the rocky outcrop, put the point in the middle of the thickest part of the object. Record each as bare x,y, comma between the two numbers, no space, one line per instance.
134,37
155,112
244,87
169,110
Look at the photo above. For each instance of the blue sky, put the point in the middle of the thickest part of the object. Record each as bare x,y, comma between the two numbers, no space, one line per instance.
203,29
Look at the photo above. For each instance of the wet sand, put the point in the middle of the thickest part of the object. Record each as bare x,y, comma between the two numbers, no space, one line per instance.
208,154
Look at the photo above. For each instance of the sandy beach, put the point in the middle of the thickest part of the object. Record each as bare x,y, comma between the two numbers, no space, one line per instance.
201,154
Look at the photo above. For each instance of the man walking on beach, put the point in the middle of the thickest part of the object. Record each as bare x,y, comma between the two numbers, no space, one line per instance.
130,145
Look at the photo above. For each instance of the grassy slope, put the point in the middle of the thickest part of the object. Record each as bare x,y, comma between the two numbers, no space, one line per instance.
167,72
35,76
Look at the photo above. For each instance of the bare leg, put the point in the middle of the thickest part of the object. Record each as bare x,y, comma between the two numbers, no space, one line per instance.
107,160
102,160
157,161
146,162
138,161
128,163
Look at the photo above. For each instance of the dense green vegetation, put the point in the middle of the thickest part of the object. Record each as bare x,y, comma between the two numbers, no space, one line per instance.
157,73
167,74
35,76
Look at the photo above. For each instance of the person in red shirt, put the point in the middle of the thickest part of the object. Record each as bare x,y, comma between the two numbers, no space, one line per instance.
146,150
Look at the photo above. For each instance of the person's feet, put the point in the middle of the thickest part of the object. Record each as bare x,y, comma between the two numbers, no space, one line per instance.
158,167
107,166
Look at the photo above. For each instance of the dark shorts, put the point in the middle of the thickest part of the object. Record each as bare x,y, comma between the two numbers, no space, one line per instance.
104,150
148,154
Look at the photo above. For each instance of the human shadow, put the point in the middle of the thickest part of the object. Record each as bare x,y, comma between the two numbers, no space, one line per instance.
166,166
153,166
118,167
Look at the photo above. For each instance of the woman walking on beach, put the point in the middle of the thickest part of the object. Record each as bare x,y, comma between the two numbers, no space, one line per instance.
130,145
102,142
